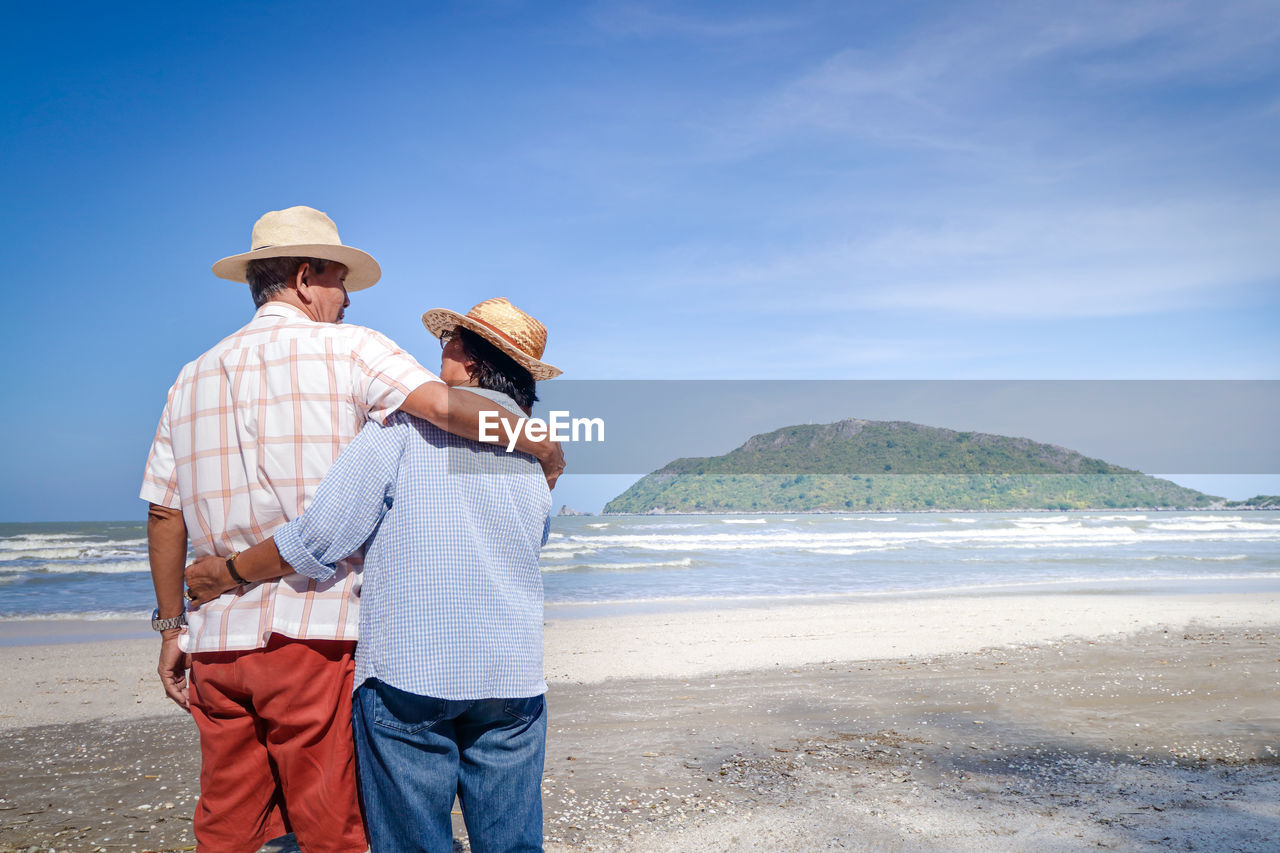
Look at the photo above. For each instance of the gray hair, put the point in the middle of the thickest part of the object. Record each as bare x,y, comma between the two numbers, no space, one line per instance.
269,276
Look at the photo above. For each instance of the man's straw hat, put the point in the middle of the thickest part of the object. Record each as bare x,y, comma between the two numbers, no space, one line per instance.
503,325
301,232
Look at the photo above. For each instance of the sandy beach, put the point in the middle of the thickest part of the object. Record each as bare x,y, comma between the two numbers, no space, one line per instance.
1016,722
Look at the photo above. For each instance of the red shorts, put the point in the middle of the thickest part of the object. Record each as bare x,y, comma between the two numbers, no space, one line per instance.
275,747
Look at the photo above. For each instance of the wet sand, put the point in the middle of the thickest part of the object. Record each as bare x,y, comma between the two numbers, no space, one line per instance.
1156,728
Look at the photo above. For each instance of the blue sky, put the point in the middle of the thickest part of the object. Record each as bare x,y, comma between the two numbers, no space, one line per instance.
715,190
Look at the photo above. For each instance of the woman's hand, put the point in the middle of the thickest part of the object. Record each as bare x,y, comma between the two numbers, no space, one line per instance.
207,578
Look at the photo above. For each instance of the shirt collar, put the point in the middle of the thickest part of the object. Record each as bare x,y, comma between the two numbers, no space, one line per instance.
276,308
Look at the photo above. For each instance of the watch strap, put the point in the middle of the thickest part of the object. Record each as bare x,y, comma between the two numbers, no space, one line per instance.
169,624
231,570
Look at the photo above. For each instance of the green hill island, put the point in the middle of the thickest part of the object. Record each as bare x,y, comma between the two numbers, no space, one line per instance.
897,466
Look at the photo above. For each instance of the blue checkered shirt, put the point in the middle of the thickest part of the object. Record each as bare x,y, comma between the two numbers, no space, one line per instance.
451,605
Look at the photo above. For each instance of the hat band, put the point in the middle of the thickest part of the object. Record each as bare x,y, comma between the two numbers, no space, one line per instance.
500,334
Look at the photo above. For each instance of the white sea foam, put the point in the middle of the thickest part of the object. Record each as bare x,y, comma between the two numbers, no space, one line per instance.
89,616
1081,581
29,540
713,557
45,554
607,567
120,567
1233,558
850,552
1210,519
1078,580
1201,526
576,543
569,554
1064,533
66,547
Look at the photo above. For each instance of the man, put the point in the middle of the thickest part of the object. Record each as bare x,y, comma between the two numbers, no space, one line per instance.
247,433
449,665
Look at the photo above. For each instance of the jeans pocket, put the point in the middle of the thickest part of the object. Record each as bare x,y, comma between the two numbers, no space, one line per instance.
525,710
405,712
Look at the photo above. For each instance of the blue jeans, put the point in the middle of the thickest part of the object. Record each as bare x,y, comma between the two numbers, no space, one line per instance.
414,753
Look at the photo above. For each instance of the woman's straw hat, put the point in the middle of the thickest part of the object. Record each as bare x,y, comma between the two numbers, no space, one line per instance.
301,232
503,325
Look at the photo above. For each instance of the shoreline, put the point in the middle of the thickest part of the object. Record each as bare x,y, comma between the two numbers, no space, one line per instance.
103,670
930,511
1154,727
63,628
672,645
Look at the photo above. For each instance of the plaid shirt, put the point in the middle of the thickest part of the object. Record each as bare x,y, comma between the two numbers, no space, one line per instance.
248,432
452,602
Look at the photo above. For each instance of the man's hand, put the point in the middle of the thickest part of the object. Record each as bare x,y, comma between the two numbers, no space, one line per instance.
167,549
552,461
173,667
458,411
207,578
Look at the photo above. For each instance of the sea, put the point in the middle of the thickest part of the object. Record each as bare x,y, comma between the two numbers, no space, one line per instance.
604,564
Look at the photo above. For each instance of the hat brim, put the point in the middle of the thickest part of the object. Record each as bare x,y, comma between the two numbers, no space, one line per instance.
441,320
362,270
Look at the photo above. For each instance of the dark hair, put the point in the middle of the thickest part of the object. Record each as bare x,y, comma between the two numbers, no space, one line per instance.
269,276
493,369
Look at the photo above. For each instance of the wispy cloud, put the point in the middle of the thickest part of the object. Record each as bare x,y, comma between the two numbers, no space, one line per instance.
987,164
1145,43
1016,161
1086,261
980,78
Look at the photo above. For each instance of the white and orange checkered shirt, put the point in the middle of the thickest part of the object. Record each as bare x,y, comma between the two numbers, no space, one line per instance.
248,432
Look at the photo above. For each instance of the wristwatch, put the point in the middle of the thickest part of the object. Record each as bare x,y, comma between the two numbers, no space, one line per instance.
159,624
